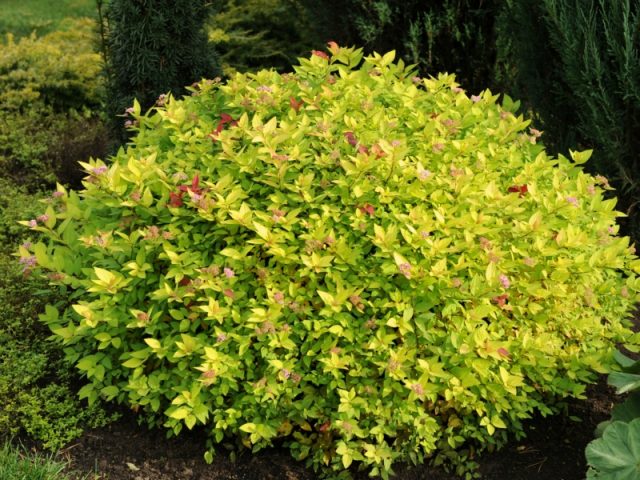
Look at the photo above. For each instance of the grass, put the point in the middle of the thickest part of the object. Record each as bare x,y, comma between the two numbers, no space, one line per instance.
21,17
15,464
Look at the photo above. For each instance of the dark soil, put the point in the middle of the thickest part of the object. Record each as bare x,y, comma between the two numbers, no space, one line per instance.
553,449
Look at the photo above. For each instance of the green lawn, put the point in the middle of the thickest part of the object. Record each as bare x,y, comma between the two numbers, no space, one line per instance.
21,17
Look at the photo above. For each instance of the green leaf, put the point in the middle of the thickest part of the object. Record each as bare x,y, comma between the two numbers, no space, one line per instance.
627,410
624,382
153,343
248,427
133,362
110,392
180,413
616,456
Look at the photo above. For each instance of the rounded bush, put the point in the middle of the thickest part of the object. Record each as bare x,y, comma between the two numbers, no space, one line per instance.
368,265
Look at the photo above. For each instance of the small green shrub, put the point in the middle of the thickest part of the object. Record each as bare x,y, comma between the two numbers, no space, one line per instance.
60,70
15,205
367,265
50,93
36,391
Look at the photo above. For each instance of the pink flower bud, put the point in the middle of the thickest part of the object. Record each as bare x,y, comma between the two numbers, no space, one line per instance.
423,174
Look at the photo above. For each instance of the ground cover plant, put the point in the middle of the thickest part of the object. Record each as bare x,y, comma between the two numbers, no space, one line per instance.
364,264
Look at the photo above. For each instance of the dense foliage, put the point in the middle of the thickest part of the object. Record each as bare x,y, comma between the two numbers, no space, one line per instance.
35,382
369,265
50,93
153,47
578,65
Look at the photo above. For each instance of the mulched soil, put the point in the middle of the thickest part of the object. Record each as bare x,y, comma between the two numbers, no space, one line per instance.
553,450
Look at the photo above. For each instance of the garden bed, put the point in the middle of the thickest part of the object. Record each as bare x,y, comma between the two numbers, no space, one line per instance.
554,448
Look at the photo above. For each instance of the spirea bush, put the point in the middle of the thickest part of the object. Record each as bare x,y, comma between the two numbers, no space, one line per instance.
366,265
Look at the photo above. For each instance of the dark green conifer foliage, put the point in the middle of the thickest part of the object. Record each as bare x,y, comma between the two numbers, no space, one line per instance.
577,64
456,36
254,34
153,47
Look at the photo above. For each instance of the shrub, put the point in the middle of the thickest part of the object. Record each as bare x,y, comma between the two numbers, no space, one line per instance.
36,384
578,66
365,264
50,90
59,70
15,205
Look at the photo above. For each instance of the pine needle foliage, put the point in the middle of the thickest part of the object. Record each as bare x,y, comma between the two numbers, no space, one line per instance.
253,34
153,47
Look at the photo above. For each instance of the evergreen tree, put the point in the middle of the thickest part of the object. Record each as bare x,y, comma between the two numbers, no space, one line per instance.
153,47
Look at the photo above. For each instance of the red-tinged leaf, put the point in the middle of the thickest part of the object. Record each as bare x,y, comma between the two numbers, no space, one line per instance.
320,54
363,149
504,352
520,189
184,282
351,138
500,300
377,150
228,293
175,199
225,118
325,426
195,184
333,47
368,209
183,188
295,104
